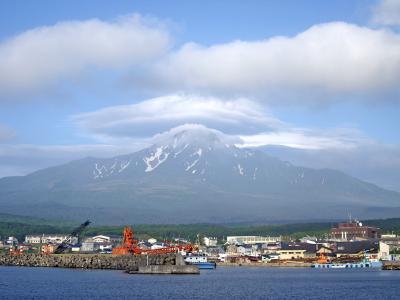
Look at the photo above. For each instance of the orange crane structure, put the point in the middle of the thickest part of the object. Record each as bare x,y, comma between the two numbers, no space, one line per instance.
130,246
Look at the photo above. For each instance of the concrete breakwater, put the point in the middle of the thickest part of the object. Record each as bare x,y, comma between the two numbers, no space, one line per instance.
87,261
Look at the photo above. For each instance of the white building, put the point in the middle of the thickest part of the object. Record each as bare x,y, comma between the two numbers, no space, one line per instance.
88,247
158,245
99,239
268,257
152,240
210,241
12,240
384,251
252,239
49,239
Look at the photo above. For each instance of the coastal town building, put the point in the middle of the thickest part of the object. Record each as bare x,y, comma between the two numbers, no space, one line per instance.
270,257
384,251
289,254
48,248
48,239
324,250
89,247
290,251
270,247
101,239
152,240
392,240
354,230
231,250
252,239
210,241
12,241
355,248
309,239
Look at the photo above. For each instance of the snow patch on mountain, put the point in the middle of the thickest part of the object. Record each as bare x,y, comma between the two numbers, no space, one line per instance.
240,169
255,173
124,165
199,152
101,171
156,158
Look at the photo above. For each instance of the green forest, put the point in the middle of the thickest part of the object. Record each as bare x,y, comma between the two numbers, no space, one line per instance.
20,226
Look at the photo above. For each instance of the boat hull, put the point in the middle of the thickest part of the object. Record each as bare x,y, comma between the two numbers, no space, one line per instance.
205,265
348,265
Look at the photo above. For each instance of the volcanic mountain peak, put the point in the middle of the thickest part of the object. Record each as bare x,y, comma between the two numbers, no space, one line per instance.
184,147
189,172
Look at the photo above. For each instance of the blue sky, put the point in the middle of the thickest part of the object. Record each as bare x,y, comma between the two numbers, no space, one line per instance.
317,78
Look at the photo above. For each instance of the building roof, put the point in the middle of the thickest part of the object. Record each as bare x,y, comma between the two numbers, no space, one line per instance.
356,247
311,248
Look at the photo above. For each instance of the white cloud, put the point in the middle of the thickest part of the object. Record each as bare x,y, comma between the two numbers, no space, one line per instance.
198,132
37,58
331,58
156,115
387,12
251,122
309,139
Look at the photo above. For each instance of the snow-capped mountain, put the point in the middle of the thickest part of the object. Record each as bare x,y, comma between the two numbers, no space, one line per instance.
192,174
187,151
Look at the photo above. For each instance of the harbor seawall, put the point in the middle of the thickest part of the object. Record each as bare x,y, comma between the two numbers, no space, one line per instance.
89,261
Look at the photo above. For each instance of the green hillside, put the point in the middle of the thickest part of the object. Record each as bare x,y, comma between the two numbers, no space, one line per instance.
20,226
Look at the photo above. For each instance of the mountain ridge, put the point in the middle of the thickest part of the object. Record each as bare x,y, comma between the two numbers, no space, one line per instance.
191,175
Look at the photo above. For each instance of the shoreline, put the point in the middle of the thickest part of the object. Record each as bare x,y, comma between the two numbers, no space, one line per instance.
267,265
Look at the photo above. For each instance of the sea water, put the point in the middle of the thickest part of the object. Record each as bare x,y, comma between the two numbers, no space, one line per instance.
222,283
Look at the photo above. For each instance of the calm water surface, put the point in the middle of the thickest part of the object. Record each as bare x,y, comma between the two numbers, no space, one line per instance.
223,283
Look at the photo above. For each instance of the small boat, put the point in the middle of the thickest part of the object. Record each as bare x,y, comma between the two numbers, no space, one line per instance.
200,261
323,263
337,266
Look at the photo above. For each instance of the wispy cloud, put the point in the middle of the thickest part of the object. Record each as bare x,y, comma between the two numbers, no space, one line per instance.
149,117
301,138
253,123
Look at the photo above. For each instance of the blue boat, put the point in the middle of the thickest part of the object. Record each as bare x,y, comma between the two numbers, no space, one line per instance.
365,263
200,261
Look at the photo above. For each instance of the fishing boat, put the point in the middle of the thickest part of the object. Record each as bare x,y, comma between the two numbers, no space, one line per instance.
323,263
200,260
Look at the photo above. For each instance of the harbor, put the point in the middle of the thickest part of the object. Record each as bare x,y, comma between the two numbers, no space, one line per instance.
243,282
350,245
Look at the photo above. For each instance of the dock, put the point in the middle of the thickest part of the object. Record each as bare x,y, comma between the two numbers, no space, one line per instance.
391,265
171,263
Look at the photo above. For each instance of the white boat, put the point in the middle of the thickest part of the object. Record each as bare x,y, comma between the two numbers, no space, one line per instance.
200,261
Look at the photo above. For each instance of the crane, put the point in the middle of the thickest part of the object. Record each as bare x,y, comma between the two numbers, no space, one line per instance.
66,244
130,246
